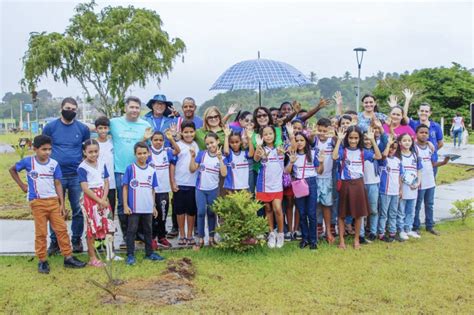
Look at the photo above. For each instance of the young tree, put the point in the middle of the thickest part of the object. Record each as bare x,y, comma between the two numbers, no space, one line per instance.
107,52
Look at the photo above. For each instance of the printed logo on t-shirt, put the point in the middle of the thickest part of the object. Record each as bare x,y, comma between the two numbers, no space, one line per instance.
33,174
152,164
202,167
134,183
232,165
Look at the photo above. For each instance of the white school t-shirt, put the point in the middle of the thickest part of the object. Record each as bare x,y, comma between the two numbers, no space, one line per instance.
425,154
327,147
302,162
106,154
183,177
141,183
371,172
237,170
390,171
160,160
94,176
208,171
270,175
411,164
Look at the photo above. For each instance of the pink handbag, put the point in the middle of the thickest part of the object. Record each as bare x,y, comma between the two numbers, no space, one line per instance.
300,186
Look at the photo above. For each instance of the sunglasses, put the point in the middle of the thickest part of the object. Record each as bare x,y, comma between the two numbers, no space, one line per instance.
261,115
212,117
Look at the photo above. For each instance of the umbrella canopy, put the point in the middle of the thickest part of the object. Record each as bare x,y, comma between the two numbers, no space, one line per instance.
259,73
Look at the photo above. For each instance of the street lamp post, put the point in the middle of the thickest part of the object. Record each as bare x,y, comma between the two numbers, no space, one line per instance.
359,65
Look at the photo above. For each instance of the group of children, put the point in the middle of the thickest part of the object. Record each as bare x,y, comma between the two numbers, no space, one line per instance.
334,174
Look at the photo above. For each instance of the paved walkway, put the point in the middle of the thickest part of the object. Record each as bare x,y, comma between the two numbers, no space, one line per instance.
17,236
466,152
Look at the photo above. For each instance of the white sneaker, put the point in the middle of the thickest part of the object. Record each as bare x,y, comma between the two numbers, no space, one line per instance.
271,242
280,240
117,258
403,236
413,234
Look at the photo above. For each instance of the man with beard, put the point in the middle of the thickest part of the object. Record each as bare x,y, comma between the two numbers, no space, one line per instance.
67,136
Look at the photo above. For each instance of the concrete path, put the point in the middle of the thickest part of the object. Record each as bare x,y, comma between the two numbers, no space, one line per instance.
17,236
466,152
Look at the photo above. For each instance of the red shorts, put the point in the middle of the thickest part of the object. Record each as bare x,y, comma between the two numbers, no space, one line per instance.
288,192
269,196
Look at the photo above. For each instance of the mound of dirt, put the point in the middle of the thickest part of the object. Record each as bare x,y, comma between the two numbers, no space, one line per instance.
173,286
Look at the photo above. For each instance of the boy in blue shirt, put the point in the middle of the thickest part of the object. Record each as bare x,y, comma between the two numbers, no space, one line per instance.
45,194
139,183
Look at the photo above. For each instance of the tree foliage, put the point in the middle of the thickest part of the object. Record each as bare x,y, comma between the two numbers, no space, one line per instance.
447,90
107,52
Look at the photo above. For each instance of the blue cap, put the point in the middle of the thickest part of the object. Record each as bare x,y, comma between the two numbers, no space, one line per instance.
158,98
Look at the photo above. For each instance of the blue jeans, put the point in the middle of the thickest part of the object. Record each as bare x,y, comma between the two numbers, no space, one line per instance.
71,184
408,207
119,188
457,134
388,210
426,196
307,208
373,196
204,201
335,209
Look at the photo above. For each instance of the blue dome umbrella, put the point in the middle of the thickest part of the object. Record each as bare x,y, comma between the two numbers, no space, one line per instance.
261,74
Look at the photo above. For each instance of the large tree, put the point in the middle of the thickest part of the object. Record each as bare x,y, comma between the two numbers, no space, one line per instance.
447,90
107,52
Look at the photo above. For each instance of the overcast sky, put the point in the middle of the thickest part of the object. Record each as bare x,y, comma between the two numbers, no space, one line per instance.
312,36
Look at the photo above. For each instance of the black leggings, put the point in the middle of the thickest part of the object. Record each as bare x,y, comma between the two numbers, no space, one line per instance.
134,221
162,205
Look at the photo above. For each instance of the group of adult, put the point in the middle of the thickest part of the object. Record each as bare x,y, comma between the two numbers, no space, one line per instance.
68,134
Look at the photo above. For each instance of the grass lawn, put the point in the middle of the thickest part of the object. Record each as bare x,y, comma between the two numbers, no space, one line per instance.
430,275
13,203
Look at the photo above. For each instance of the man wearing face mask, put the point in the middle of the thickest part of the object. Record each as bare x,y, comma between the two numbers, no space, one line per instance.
67,135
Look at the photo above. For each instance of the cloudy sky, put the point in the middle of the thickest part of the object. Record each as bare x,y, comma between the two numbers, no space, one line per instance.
312,36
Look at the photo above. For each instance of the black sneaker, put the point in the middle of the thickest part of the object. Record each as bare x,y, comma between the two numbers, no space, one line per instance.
372,237
433,231
303,244
53,249
390,238
43,267
363,240
77,247
173,233
73,262
313,246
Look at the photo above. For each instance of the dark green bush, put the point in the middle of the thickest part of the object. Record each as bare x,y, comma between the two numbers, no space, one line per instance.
241,228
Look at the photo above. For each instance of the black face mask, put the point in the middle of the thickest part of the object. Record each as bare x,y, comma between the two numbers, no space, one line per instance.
68,115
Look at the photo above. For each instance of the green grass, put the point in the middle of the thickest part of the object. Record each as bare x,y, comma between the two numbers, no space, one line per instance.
430,275
13,203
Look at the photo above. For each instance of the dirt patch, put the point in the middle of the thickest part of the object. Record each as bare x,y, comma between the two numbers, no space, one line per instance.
173,286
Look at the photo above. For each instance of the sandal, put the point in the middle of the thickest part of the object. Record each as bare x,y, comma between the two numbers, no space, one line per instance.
211,242
191,241
182,241
96,263
330,240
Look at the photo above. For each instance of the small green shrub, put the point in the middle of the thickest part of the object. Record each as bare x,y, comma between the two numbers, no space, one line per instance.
463,209
241,227
21,150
